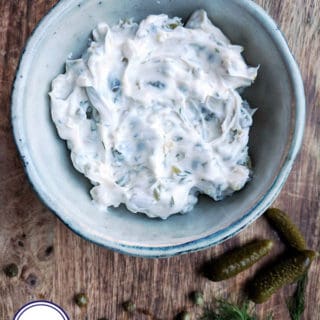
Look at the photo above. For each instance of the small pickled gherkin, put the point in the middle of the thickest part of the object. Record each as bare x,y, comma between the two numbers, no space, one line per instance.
233,262
285,271
286,228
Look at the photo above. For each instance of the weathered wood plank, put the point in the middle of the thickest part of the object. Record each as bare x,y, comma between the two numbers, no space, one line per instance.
54,263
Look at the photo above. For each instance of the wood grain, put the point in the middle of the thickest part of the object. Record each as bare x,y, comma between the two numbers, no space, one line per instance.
54,263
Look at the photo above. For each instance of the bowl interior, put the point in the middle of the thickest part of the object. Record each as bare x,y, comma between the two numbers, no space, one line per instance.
67,31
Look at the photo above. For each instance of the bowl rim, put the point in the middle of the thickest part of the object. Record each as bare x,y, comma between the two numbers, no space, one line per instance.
215,238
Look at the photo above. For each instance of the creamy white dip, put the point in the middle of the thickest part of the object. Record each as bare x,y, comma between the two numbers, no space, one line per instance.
152,115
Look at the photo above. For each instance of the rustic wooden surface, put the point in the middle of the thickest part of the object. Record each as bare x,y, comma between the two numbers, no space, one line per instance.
54,263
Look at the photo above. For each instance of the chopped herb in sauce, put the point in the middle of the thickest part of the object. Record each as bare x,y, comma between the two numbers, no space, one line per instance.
157,108
157,84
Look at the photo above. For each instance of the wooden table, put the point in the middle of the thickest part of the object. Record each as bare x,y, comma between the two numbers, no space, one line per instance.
54,263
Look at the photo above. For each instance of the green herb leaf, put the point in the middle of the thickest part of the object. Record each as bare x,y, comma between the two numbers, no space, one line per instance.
175,170
224,310
172,25
156,194
296,303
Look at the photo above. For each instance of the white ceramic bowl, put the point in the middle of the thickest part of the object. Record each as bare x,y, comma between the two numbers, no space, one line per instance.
274,141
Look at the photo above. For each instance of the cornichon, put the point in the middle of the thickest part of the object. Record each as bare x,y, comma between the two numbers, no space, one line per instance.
285,271
237,260
287,229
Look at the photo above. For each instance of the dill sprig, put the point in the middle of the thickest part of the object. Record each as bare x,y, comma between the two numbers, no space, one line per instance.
224,310
296,303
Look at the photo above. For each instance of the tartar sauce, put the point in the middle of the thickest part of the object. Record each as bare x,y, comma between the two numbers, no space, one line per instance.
152,115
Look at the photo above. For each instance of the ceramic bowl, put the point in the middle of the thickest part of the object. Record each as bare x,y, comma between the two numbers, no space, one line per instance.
274,140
